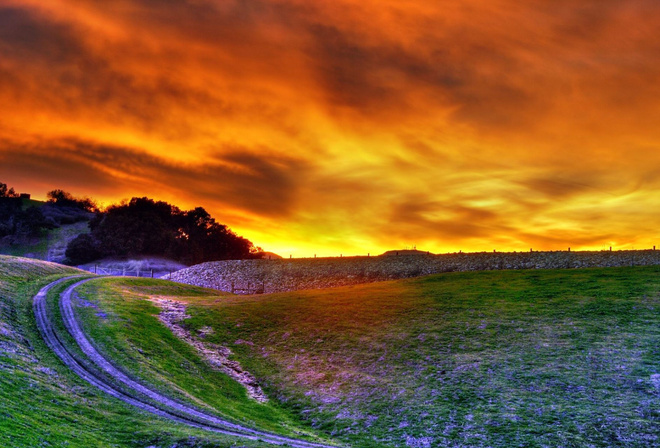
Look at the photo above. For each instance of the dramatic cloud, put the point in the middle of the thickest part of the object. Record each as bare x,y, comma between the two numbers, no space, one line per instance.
346,127
236,180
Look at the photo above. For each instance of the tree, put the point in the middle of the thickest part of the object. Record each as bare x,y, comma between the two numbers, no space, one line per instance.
7,192
30,222
82,249
200,238
143,226
65,199
10,205
139,227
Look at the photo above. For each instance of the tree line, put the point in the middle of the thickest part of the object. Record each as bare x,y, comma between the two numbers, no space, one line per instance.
141,226
21,221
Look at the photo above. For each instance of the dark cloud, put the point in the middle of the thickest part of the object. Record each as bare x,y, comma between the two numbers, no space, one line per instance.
82,74
347,70
26,37
375,79
51,166
494,77
417,218
239,179
556,188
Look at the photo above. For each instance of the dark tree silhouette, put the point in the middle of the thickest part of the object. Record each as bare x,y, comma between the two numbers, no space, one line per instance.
143,226
6,192
15,222
31,222
62,198
83,249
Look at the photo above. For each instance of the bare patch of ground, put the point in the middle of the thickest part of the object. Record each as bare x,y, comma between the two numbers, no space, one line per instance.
173,313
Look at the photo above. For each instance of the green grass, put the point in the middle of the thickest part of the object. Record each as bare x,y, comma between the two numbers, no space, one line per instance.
42,404
27,203
562,358
508,358
125,328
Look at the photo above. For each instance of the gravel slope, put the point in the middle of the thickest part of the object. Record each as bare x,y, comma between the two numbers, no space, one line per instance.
266,276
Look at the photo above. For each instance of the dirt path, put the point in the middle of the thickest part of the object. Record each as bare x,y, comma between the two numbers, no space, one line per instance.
173,313
119,385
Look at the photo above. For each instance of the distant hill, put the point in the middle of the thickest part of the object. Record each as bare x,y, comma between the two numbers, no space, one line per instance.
405,252
38,229
269,256
49,246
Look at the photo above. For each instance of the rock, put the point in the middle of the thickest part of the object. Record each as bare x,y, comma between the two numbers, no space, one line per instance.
267,276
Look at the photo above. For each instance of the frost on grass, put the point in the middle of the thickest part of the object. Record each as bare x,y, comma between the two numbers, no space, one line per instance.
655,380
173,313
419,442
83,303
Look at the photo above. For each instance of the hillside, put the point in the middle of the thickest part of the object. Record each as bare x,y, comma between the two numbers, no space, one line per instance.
42,403
482,359
51,246
486,359
71,230
41,230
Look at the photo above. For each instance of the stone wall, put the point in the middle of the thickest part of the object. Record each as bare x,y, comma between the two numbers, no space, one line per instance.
257,276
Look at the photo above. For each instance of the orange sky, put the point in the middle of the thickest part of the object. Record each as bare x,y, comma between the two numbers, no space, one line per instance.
346,126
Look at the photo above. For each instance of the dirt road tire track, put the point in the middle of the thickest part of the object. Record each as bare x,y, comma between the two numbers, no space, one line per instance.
127,389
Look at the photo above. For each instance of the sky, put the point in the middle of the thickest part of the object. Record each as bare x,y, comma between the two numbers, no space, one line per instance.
343,126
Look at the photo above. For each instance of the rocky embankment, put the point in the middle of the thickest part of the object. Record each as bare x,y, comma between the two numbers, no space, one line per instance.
265,276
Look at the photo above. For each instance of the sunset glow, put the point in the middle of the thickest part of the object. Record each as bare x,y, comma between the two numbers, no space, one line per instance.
345,126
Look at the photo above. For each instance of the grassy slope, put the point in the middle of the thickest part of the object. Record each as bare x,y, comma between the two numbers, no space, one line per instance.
52,241
512,358
125,328
51,245
43,404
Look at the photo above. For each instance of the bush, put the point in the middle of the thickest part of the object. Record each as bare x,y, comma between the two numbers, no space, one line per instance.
83,249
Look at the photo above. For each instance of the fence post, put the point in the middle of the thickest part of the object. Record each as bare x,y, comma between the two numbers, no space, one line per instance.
232,287
152,273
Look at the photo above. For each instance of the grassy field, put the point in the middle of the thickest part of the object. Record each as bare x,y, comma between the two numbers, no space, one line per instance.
564,358
42,404
126,329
